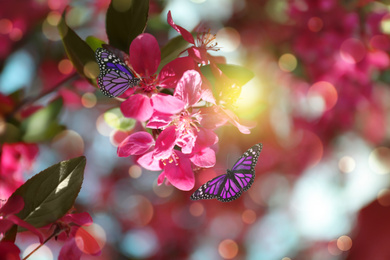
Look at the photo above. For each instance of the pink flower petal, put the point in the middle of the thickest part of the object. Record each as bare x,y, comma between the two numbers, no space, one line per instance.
5,225
204,158
14,205
171,73
159,120
212,118
199,55
187,141
165,143
86,243
80,219
161,178
233,119
138,107
135,144
70,251
9,251
148,162
186,34
26,225
145,54
167,104
205,138
188,88
179,172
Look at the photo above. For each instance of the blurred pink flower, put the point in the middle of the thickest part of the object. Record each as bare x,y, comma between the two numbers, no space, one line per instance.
15,159
9,250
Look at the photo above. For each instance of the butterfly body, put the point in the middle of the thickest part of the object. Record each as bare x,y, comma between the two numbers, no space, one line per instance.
115,76
229,186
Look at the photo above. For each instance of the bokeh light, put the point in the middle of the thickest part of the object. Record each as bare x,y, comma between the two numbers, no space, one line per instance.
347,164
102,127
139,243
315,24
384,197
65,66
43,253
344,243
69,142
196,209
228,249
50,31
88,100
379,160
352,50
5,26
91,70
53,18
322,95
287,62
135,171
248,216
228,39
163,191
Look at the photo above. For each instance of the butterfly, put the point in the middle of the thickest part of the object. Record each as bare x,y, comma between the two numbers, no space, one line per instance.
229,186
115,76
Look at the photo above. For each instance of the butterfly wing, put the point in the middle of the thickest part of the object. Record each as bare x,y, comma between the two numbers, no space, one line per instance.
230,191
210,189
228,187
243,171
115,77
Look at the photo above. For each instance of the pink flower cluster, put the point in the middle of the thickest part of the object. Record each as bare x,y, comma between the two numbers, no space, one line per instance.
177,107
15,159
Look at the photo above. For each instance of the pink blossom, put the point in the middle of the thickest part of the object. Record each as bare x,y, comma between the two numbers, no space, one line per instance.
145,58
205,41
77,240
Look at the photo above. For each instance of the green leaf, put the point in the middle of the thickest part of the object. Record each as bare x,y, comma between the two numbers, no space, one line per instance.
10,134
50,194
79,52
43,124
117,120
172,50
238,74
94,42
125,20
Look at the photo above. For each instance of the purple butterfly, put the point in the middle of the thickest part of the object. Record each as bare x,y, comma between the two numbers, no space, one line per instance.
115,76
229,186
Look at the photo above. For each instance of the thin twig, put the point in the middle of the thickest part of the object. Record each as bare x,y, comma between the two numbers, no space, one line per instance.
47,239
28,101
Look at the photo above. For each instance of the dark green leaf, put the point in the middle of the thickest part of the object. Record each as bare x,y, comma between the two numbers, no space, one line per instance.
94,42
172,50
117,120
125,20
50,194
43,124
79,52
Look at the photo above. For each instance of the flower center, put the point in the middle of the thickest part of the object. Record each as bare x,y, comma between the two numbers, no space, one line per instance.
186,122
173,158
207,41
148,85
